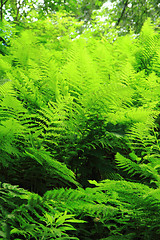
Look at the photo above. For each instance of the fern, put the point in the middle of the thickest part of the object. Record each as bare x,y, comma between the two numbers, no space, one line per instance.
147,54
74,105
64,115
119,205
143,170
54,167
18,143
27,215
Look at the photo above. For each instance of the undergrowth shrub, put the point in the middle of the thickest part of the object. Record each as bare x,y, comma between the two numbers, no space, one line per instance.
25,215
88,111
113,208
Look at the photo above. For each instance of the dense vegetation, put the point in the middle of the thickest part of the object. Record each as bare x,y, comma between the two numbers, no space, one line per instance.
79,132
123,14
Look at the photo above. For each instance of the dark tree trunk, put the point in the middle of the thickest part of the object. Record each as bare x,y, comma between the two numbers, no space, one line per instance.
1,10
123,11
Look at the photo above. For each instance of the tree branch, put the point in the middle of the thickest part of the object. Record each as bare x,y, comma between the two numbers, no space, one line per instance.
122,13
1,10
2,4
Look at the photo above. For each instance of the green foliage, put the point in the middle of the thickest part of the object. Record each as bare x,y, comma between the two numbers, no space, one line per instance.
69,113
113,208
100,15
127,15
22,11
27,215
77,110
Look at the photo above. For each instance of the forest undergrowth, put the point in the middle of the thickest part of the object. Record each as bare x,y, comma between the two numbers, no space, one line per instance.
79,136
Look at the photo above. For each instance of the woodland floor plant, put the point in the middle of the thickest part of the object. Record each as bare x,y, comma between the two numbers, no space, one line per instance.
79,133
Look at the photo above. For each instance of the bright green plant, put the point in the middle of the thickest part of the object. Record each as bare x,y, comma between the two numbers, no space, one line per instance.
113,208
88,111
27,215
76,108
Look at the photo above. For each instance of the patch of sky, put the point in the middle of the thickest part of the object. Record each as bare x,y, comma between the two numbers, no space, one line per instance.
40,2
109,5
102,12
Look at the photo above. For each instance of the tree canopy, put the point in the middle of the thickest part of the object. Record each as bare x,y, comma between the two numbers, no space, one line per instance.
126,15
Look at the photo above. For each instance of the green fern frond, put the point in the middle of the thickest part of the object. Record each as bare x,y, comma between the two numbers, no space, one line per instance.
53,166
109,200
143,137
133,168
148,47
24,214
